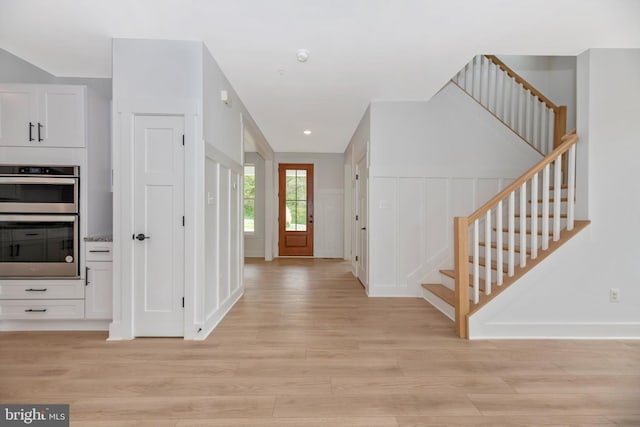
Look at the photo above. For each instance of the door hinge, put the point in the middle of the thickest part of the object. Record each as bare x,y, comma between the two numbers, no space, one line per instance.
356,257
183,220
182,302
183,139
357,217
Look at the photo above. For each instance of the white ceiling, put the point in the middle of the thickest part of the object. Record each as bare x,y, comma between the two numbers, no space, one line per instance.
360,50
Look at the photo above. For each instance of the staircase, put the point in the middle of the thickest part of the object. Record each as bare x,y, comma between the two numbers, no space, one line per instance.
529,219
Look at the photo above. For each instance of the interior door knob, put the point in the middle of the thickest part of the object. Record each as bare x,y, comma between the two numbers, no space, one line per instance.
141,237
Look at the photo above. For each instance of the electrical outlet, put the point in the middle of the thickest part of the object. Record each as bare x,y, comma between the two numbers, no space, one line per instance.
614,295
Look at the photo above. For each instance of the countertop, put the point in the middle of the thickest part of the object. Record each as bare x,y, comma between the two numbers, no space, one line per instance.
105,238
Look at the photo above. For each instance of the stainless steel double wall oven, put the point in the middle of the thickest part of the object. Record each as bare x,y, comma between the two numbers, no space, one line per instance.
39,222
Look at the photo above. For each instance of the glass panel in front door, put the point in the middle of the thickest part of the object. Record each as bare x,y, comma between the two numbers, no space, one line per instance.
296,200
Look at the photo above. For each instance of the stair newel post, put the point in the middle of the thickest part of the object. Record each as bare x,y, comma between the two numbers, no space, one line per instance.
559,130
461,255
571,187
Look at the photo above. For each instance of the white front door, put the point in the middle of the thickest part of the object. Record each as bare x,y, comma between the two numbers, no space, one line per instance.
158,204
362,248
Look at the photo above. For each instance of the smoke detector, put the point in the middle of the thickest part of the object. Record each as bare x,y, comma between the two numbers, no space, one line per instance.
302,55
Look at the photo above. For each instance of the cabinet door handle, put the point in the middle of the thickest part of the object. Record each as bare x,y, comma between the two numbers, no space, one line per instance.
30,132
86,276
18,249
36,290
93,251
31,310
39,129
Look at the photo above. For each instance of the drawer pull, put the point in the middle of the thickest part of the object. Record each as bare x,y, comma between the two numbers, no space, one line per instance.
93,251
31,310
36,290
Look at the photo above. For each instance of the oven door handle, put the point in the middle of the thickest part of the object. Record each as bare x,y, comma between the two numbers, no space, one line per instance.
39,218
37,180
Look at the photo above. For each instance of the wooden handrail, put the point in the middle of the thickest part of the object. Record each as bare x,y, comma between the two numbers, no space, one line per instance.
568,141
522,81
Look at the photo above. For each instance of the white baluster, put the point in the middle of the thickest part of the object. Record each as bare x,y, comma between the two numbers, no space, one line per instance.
494,90
487,252
467,80
557,190
499,93
535,123
534,217
511,260
506,98
499,272
476,263
493,76
545,207
550,137
528,116
520,109
543,129
481,86
571,187
523,224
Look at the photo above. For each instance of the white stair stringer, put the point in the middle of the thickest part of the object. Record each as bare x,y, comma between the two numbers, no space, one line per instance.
439,304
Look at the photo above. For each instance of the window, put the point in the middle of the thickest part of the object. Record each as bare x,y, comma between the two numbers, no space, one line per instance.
249,198
296,188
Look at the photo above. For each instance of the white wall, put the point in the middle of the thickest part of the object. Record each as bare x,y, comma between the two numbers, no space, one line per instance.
157,69
431,161
568,294
16,70
554,76
254,243
328,218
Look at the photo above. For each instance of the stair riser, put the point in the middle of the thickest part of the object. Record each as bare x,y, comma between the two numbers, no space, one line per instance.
438,303
505,239
563,223
447,281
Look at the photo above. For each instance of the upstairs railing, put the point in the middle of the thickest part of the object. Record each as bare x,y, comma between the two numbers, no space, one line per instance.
476,235
514,101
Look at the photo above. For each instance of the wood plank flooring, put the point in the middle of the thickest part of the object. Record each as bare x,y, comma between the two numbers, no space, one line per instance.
306,347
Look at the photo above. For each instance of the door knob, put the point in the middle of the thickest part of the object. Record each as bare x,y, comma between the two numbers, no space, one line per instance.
363,228
141,237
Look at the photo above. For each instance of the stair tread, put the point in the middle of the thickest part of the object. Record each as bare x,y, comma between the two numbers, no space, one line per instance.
562,215
505,247
452,274
563,199
506,230
442,292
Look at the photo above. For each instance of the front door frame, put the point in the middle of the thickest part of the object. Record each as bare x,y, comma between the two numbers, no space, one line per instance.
309,249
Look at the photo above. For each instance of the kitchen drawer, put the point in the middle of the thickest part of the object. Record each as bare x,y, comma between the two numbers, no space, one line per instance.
52,289
42,309
98,251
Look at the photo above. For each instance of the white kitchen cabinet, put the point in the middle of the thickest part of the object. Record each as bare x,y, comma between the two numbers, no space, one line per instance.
99,276
42,115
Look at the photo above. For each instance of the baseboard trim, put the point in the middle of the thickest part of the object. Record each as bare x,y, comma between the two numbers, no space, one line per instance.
54,325
585,331
394,292
214,320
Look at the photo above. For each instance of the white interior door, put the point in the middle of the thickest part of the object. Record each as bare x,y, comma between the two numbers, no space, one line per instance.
158,263
362,249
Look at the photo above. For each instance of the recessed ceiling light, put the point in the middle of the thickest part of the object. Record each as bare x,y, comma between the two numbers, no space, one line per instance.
302,55
307,132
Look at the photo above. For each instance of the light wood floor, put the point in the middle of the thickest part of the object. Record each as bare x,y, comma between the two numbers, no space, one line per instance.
305,347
